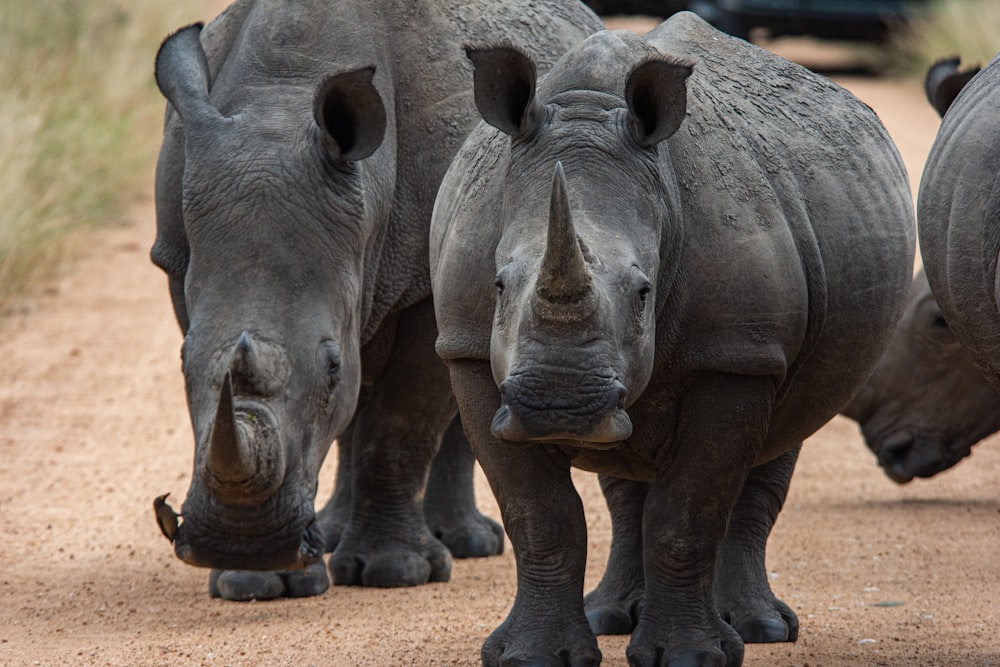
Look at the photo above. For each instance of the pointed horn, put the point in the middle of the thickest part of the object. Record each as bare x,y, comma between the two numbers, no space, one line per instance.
228,457
563,277
245,361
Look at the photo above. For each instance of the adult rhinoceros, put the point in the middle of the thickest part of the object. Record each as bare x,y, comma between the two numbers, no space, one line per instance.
304,143
668,261
958,210
926,404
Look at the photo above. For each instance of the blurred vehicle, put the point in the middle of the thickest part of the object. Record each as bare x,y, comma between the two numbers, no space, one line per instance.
662,8
869,20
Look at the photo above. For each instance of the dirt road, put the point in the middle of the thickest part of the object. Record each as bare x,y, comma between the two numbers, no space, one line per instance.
93,425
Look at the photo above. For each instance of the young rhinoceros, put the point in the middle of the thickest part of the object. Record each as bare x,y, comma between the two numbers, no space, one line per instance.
304,143
679,256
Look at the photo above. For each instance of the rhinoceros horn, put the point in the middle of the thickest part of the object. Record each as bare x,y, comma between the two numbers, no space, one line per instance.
564,282
228,459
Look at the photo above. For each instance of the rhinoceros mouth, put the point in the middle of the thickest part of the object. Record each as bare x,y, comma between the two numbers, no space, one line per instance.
905,457
286,553
592,417
282,533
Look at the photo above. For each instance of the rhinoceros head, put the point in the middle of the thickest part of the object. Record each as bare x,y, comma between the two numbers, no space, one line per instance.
276,228
926,403
578,261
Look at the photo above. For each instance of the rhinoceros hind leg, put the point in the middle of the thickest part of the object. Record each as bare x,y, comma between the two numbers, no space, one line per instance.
614,607
390,569
450,505
742,593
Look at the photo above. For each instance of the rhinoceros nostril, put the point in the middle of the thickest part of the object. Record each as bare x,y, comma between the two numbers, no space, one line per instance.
622,394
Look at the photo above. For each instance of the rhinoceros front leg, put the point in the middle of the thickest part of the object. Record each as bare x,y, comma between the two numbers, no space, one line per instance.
721,425
543,517
742,593
396,434
613,607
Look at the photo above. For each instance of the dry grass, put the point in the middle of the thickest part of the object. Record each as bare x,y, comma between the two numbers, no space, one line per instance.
80,122
966,28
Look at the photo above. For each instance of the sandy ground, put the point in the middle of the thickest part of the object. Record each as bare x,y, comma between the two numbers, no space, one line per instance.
93,425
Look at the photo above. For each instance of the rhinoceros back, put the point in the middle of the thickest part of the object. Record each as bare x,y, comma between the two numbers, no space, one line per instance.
771,149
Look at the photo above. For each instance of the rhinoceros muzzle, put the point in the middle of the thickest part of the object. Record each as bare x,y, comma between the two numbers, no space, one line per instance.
273,552
905,457
593,418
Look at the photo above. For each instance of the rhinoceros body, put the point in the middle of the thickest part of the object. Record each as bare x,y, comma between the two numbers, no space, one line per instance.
304,142
926,404
668,261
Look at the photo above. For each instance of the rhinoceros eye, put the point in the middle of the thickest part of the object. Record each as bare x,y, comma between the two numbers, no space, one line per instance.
499,285
329,361
644,292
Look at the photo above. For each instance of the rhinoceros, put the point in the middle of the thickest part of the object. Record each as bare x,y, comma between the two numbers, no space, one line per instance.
303,145
926,404
958,206
668,261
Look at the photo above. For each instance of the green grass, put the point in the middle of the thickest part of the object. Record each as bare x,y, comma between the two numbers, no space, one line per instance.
966,28
80,122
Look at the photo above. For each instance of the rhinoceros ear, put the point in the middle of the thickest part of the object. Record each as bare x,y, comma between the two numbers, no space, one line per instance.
504,84
182,76
657,98
349,109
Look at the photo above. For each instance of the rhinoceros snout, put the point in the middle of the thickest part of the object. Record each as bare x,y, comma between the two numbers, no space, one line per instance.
906,457
532,409
274,537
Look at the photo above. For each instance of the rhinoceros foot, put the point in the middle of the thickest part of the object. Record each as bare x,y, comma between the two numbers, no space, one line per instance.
763,621
612,616
246,585
550,641
466,532
373,560
652,646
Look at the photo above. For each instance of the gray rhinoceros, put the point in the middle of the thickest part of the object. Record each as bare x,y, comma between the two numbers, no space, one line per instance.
958,208
668,261
303,146
926,404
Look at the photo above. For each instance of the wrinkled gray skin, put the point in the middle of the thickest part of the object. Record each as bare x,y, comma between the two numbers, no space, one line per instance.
926,404
304,142
958,206
706,279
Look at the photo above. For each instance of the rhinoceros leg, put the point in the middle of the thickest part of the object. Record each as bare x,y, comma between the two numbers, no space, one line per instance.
246,585
544,519
613,607
396,435
742,592
720,429
450,506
